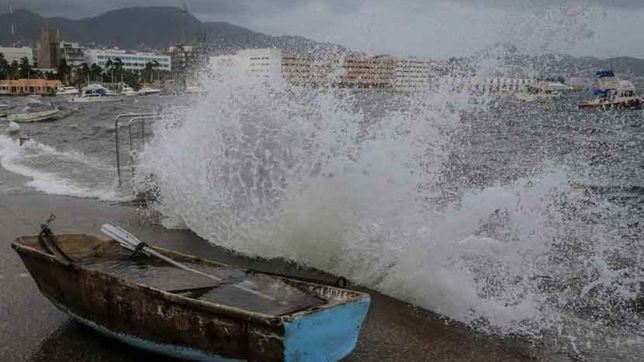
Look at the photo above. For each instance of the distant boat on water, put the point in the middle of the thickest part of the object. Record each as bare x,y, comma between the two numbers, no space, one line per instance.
37,116
612,92
146,91
67,91
194,90
95,93
128,91
542,91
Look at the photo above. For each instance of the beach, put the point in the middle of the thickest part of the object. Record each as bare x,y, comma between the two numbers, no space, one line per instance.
32,329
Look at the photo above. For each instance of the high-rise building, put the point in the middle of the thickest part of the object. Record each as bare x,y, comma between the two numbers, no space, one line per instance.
72,53
48,48
264,63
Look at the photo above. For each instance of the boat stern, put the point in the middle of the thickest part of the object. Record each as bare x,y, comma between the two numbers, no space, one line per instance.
328,334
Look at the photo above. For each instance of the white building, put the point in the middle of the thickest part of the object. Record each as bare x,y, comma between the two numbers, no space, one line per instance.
263,63
131,61
11,54
73,53
270,63
412,73
266,62
223,63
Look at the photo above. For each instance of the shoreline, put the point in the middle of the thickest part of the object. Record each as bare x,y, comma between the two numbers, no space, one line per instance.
33,329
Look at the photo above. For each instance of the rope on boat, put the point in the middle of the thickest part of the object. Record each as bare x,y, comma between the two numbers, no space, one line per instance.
49,243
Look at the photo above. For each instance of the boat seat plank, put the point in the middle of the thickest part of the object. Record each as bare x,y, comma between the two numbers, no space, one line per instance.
250,291
161,277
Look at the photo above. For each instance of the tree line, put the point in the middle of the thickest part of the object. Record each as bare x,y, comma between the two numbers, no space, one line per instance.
17,70
114,72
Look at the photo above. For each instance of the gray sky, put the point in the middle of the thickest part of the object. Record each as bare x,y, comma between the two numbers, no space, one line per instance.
425,28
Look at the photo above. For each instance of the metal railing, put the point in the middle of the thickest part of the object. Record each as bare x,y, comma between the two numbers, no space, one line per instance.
142,120
132,117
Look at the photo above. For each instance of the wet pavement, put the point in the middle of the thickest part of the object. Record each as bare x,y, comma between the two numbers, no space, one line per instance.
32,329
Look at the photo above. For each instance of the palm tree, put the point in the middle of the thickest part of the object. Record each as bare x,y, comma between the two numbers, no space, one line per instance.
156,65
109,67
147,71
95,71
83,73
13,70
4,67
118,65
64,71
24,70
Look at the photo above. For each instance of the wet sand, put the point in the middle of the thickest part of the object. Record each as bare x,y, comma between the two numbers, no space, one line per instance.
32,329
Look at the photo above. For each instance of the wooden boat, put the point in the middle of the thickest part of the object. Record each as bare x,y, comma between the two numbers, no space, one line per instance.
39,116
247,315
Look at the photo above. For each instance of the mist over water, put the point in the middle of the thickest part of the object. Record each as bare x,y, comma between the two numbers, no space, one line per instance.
383,188
511,218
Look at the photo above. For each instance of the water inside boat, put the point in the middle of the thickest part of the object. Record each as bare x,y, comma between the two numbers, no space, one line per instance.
235,287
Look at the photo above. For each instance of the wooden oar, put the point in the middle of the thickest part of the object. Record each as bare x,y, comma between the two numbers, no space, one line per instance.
131,242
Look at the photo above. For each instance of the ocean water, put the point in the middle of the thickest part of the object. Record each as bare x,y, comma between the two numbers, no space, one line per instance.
517,219
74,155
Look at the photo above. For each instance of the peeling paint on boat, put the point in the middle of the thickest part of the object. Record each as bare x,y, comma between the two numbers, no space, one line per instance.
181,326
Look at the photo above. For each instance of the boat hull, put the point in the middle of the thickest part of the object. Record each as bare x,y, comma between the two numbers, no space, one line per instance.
181,327
96,99
625,104
33,117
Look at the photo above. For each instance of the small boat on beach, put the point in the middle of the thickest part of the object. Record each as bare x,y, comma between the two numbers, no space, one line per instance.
36,116
204,311
613,93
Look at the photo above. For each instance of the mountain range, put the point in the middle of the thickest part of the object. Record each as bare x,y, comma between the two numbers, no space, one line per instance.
149,28
156,28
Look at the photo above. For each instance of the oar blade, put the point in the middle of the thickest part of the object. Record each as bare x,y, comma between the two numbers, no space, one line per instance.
126,240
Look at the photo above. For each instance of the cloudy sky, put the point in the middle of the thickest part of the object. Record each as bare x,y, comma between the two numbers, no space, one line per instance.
425,28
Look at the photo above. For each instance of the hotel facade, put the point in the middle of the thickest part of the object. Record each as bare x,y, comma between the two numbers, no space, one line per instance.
130,61
382,71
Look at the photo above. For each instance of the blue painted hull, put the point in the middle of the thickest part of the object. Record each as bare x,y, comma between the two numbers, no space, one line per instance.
328,335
